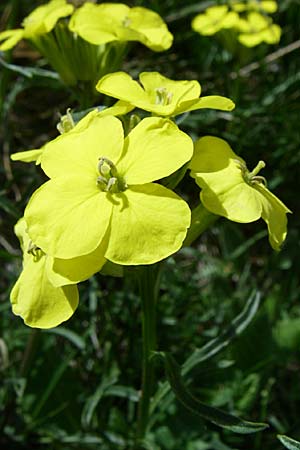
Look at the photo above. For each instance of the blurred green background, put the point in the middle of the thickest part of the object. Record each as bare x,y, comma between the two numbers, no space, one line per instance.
76,387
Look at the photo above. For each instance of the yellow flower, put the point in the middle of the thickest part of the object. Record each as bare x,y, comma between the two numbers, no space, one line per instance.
101,198
41,21
214,19
230,190
34,297
268,6
159,94
257,28
108,22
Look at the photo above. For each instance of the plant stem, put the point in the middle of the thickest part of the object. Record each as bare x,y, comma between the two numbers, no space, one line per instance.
201,220
148,284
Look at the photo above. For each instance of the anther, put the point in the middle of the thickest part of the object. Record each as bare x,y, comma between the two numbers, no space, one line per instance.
106,167
163,96
66,122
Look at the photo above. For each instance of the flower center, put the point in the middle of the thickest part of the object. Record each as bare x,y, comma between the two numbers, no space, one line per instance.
252,178
109,180
163,96
126,22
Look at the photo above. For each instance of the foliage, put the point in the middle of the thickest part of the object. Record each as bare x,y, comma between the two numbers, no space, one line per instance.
71,387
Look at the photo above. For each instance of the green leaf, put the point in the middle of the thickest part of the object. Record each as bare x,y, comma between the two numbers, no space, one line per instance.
70,335
209,413
214,346
289,443
236,327
92,403
29,72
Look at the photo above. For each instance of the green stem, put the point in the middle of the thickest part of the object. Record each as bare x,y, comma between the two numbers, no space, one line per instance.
148,284
29,352
201,220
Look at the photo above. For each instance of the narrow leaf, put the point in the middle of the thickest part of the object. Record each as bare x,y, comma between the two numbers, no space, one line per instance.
214,346
209,413
29,72
92,403
70,335
289,443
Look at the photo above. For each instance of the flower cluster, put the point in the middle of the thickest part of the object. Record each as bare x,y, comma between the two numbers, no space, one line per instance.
106,199
83,44
249,19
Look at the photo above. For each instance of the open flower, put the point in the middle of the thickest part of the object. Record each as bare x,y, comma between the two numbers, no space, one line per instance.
230,190
101,198
41,21
109,22
257,28
34,297
159,94
214,19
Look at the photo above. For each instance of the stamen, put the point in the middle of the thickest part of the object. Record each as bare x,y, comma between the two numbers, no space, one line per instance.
66,122
126,22
163,96
106,167
109,179
35,251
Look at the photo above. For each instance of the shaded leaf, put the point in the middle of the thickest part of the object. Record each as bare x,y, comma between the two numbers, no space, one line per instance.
214,415
289,443
214,346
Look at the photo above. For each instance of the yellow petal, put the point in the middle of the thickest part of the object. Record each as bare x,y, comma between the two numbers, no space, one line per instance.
93,23
44,18
274,214
68,217
250,39
121,85
211,154
154,149
28,156
231,198
120,108
152,29
210,102
213,20
272,34
78,151
37,301
74,270
216,170
10,38
148,224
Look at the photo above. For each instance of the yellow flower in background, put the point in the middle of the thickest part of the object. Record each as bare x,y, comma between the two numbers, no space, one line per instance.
268,6
34,297
41,21
160,95
101,198
229,189
109,22
257,28
248,20
215,19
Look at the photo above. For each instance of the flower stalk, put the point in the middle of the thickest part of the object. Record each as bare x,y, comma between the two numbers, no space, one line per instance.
148,279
